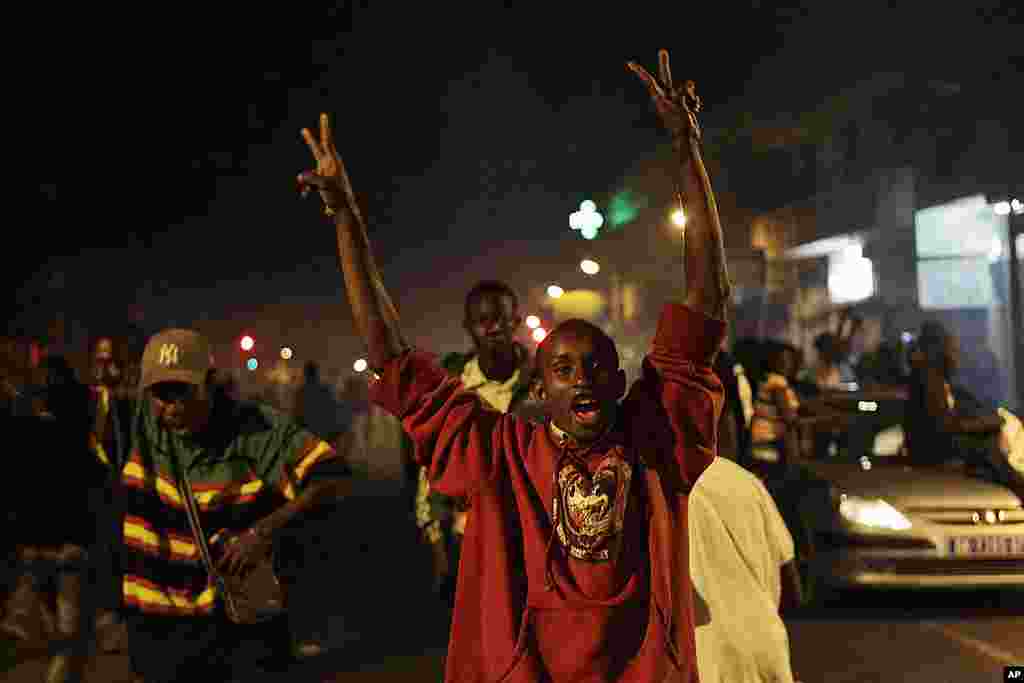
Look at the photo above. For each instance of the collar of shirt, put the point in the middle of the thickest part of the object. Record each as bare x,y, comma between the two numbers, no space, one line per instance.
498,395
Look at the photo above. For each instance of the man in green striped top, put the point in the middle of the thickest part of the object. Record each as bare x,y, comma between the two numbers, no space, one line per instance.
253,471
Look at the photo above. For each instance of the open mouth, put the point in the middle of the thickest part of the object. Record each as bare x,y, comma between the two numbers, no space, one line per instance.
586,410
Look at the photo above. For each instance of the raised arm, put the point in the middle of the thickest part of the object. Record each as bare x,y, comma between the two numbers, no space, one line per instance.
707,280
374,314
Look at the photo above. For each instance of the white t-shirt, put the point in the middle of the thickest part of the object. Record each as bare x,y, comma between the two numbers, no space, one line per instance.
738,544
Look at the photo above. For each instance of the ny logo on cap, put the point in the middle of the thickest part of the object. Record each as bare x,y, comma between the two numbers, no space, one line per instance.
168,354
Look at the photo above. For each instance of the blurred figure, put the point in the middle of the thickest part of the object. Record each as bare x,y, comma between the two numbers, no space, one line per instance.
981,373
743,567
110,414
54,539
317,408
833,368
790,418
886,366
943,423
827,373
734,425
774,436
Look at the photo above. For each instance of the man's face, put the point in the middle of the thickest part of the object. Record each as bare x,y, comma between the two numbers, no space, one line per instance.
179,407
580,384
104,368
493,321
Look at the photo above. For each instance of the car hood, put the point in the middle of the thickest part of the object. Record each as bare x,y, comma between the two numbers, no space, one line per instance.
909,488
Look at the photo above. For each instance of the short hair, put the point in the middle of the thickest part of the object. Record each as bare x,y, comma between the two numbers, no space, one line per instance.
485,287
577,325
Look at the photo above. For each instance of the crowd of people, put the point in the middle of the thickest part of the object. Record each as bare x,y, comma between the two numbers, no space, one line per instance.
580,528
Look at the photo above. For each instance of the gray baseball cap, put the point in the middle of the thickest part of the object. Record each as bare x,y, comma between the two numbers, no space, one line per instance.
176,355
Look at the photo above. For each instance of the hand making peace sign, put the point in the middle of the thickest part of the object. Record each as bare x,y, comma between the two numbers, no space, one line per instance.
677,107
329,177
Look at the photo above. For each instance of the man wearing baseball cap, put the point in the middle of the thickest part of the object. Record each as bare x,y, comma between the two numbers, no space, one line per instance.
253,472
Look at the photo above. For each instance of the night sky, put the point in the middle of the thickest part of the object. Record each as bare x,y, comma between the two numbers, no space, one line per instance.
460,129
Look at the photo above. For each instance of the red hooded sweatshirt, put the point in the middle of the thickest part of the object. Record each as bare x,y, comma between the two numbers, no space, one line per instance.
575,568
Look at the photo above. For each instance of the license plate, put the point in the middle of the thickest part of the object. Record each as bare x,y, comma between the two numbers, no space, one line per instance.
987,546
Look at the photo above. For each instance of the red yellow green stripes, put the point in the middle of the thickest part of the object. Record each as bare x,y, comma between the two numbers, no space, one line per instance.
140,534
153,599
316,451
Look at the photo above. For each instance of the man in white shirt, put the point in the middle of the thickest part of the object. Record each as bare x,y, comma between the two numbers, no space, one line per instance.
742,563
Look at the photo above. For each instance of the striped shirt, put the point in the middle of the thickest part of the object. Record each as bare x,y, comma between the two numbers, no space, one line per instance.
768,428
255,460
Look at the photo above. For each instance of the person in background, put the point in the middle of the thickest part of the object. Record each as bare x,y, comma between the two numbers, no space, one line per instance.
734,426
256,474
54,526
317,407
497,369
942,422
110,414
744,571
774,433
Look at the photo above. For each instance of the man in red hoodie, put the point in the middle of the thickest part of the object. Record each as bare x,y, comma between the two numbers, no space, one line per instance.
580,536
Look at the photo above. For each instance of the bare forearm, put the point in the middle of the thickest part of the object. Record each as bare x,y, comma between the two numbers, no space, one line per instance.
373,312
707,279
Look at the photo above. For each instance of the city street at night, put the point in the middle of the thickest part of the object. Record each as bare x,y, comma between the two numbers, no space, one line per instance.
480,343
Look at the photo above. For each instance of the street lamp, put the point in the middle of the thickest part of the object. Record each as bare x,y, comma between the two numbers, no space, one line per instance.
590,267
554,291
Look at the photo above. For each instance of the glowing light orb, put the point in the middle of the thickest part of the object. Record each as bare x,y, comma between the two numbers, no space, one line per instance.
252,364
532,322
587,220
539,334
554,291
679,218
247,343
360,365
590,267
286,353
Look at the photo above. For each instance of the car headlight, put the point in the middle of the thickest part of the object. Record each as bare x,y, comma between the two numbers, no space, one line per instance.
872,513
